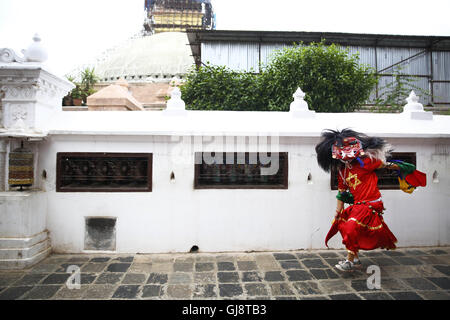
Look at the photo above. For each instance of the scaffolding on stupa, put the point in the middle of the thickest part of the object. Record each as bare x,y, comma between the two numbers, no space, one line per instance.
178,15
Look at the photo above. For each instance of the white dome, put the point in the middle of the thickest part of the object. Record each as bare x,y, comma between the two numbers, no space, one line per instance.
158,57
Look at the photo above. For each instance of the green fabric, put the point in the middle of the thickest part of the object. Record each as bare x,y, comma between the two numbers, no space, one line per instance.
345,197
406,168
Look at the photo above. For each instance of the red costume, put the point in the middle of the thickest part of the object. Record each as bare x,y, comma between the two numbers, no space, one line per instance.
361,224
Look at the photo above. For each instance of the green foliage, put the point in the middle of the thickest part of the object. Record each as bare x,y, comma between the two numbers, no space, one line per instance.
394,93
84,88
333,82
219,88
331,78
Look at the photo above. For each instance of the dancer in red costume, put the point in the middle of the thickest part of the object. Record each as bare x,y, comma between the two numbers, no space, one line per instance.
356,157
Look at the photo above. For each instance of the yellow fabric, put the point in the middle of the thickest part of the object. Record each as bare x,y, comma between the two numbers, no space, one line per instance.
405,186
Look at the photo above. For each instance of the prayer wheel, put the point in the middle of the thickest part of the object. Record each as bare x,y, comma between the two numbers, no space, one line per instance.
21,171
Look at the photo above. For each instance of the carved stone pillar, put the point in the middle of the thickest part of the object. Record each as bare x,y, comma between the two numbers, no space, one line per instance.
31,96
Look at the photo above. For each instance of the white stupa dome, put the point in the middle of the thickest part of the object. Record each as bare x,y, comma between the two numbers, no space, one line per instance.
155,58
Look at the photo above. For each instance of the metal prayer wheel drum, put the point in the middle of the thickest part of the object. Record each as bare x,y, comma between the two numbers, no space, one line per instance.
21,170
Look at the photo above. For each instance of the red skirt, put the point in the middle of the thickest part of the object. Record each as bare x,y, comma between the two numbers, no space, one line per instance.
362,227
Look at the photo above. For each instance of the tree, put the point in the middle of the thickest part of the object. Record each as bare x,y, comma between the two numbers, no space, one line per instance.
332,79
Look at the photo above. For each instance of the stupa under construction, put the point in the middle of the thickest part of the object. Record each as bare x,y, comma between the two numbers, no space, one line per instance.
178,15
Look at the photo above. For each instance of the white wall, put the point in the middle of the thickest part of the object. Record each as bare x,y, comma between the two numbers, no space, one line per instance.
174,216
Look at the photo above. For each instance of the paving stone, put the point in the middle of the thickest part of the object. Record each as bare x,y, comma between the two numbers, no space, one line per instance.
205,258
361,285
63,268
334,286
225,266
118,267
432,260
290,264
441,282
45,268
124,259
141,268
407,261
99,291
109,278
298,275
13,293
307,255
382,261
56,278
185,259
399,271
166,267
158,278
93,267
183,266
329,255
273,276
205,291
280,289
405,295
306,287
315,298
285,298
230,290
180,291
78,259
126,292
436,252
152,290
256,289
247,265
314,263
72,294
100,259
443,269
372,253
284,256
180,277
204,266
87,278
42,292
205,277
392,284
376,296
428,270
251,276
228,276
415,252
267,263
7,279
420,284
345,296
134,278
321,274
393,253
435,295
30,279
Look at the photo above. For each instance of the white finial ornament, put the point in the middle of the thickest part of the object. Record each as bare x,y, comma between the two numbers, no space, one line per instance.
35,51
415,109
299,106
175,105
413,103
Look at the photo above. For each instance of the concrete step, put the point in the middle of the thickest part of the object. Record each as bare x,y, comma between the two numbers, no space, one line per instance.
11,243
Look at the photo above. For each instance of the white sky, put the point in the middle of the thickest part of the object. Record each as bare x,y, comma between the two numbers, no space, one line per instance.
76,31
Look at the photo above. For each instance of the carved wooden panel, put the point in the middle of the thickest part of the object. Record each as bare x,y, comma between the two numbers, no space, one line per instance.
245,175
104,172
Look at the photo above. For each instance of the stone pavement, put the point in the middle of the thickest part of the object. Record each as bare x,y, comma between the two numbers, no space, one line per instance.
406,274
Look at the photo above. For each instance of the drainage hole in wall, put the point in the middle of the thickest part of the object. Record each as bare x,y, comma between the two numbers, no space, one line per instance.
194,249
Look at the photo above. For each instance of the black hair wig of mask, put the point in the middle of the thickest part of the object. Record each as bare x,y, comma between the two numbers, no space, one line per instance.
329,137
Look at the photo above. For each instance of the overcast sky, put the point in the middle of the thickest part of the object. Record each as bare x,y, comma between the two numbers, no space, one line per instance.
76,31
